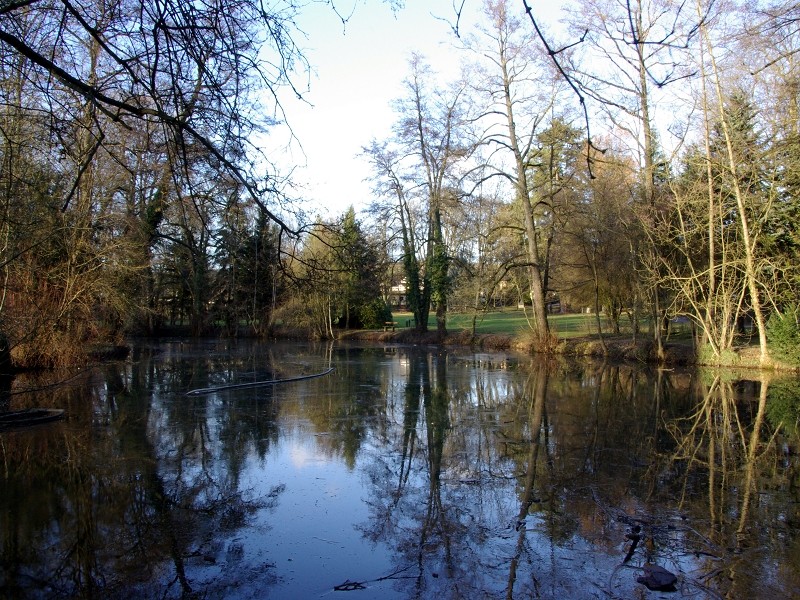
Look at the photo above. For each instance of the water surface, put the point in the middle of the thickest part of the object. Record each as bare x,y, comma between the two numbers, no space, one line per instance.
405,473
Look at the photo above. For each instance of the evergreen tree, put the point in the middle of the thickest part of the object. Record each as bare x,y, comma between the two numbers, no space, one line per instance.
360,265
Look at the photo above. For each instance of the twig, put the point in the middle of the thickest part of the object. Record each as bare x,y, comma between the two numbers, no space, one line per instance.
42,388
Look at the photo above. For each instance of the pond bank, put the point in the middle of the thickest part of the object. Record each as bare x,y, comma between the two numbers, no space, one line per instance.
615,348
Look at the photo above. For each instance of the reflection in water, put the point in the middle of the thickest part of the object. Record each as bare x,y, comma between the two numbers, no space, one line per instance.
536,388
406,473
727,462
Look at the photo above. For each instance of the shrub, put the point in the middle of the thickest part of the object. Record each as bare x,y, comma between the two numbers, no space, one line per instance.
783,335
726,358
298,315
374,314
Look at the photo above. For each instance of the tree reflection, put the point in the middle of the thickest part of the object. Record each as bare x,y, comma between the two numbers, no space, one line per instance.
530,475
725,458
483,477
471,444
537,384
131,497
420,510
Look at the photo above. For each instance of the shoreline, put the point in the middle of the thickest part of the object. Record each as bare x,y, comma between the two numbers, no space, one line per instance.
617,348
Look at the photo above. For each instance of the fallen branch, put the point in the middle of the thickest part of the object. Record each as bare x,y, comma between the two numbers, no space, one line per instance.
252,384
27,418
349,586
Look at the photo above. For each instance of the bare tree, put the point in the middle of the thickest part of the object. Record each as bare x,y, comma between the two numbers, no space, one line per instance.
401,214
518,92
632,52
124,123
749,216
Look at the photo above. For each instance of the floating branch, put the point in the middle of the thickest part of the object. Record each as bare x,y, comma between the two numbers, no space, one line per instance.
252,384
29,417
350,586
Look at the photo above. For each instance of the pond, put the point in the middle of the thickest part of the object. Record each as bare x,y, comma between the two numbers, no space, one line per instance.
405,472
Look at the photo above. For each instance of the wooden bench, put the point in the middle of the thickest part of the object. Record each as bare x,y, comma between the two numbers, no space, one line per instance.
389,325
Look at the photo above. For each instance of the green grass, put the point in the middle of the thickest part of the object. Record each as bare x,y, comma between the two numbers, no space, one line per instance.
566,326
513,321
506,322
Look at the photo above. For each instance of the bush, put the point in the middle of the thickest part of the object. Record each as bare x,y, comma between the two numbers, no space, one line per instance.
374,314
298,315
783,335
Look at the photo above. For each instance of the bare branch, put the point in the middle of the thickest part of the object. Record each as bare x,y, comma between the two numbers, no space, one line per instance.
553,54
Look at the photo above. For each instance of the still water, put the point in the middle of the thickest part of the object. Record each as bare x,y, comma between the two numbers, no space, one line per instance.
404,473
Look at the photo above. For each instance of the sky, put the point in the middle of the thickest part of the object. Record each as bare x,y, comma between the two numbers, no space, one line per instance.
358,69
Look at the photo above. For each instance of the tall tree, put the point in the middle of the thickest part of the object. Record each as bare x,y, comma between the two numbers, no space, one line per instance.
248,282
361,264
338,275
130,108
596,260
518,96
419,165
743,186
430,129
400,212
771,45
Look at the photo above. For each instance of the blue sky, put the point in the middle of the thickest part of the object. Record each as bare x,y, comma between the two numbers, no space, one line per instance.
358,71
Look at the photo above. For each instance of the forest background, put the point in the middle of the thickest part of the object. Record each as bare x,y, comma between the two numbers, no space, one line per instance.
642,163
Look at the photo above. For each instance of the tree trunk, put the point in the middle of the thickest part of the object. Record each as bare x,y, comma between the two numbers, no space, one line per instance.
536,283
6,365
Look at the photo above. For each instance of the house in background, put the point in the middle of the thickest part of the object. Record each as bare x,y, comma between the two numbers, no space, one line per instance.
398,299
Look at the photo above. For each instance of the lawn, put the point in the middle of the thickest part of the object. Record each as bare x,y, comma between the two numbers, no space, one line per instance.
506,322
513,321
